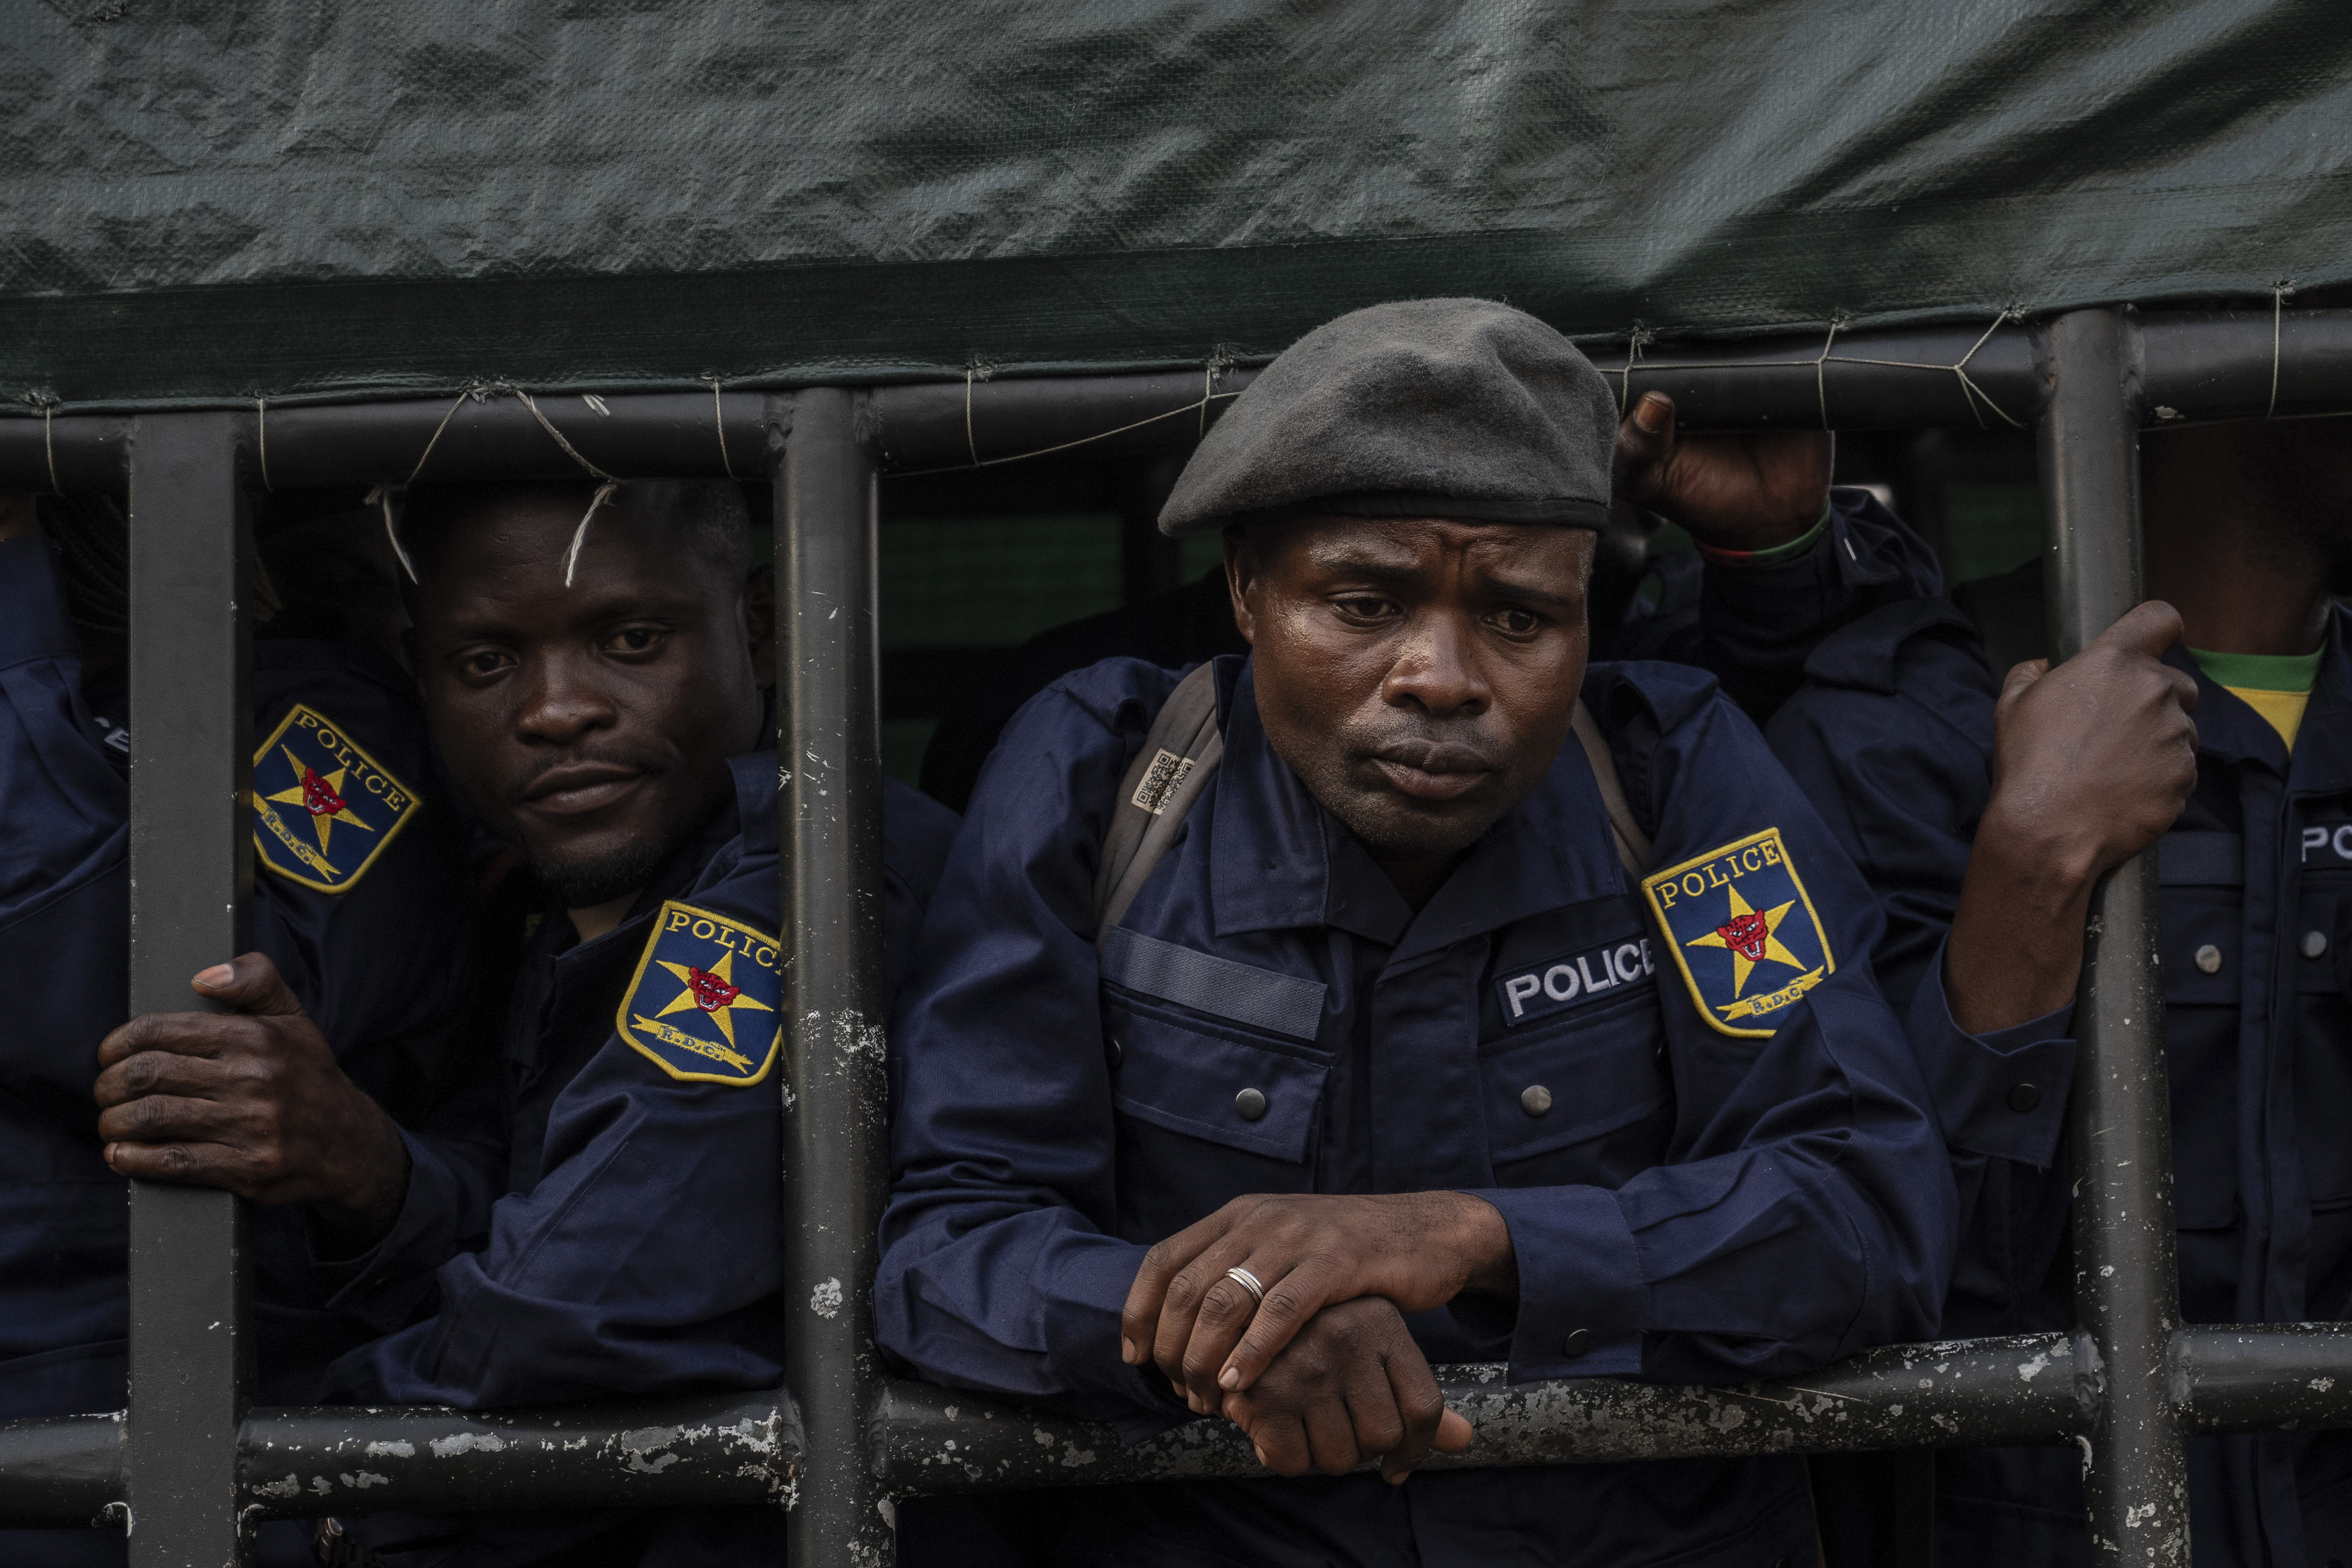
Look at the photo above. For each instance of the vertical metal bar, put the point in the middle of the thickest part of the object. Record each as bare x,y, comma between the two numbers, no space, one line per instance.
191,881
2127,1287
836,1091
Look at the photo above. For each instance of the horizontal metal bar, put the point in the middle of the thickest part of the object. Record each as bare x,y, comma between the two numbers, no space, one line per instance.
2198,365
957,424
62,1470
495,436
2224,364
1920,380
301,1462
297,1462
2264,1378
1971,1393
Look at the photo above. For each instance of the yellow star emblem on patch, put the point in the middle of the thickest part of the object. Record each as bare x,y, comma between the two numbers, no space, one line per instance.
714,991
1752,938
321,796
310,777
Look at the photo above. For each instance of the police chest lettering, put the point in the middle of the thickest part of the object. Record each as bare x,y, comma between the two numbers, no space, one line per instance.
1743,932
323,808
2327,843
1550,987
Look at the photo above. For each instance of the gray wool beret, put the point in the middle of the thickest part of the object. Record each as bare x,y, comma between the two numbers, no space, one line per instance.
1422,408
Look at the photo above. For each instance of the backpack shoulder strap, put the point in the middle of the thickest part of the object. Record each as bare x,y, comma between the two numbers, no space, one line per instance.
1179,756
1633,843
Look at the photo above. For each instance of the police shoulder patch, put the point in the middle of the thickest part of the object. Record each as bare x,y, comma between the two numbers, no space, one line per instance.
323,809
706,1003
1743,932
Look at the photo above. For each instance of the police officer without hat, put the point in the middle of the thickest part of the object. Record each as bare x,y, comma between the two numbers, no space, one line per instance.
1390,1060
2249,542
596,691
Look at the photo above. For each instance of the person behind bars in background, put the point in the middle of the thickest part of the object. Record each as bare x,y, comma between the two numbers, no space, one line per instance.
361,918
2248,541
599,683
1394,1058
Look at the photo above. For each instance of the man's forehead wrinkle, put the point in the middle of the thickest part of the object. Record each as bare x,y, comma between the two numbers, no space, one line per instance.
1499,557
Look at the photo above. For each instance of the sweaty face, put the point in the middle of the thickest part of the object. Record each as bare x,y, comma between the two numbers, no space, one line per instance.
1417,674
590,724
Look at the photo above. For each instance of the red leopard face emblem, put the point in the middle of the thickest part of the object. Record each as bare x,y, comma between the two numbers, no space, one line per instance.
711,992
317,798
1747,934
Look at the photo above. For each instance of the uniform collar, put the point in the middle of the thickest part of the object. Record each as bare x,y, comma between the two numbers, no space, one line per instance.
2226,726
2322,745
1281,861
2230,729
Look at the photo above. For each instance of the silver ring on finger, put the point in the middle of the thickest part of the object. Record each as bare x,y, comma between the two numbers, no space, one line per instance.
1248,1281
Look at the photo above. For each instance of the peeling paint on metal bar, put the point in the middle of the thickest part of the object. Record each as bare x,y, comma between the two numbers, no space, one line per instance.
1954,1393
736,1449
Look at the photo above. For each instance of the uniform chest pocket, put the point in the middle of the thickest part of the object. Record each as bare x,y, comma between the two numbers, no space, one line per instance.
2203,940
2202,950
1576,1083
1207,1079
2320,1028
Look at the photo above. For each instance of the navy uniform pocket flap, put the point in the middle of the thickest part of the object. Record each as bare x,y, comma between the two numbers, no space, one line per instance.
2203,944
1246,993
1201,1078
1547,1089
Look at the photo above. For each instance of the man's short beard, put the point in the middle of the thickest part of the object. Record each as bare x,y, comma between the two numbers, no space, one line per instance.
585,884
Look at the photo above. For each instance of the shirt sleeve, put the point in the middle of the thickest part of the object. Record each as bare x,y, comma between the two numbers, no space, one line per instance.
1759,620
2001,1095
645,1260
1806,1210
67,808
648,1260
455,1169
1002,1269
1891,739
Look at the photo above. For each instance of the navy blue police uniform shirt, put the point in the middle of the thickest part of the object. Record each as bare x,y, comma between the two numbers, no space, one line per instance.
638,1247
1732,1172
363,915
2256,883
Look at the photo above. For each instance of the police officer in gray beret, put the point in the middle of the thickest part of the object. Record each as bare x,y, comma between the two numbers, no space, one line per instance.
1294,1024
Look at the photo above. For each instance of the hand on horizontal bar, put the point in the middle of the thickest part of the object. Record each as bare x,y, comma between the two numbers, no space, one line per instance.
1308,1251
1734,490
1350,1387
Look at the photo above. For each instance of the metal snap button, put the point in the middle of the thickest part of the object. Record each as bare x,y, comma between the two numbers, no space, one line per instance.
1250,1103
2315,942
2024,1098
1117,1050
2208,959
1535,1099
1578,1342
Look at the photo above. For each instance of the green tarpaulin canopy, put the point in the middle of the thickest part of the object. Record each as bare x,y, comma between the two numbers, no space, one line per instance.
206,201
